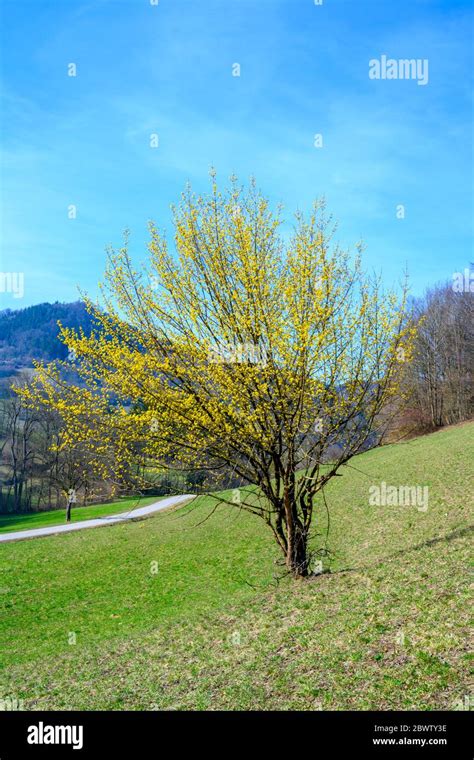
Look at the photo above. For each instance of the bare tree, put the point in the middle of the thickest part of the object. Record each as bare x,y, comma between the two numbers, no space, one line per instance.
17,453
440,376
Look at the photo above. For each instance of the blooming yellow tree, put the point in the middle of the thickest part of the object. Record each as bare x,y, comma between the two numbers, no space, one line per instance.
241,349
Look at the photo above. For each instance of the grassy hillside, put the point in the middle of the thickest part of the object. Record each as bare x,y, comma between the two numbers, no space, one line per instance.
218,625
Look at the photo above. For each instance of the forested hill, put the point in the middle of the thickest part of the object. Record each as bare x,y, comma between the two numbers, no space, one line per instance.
32,333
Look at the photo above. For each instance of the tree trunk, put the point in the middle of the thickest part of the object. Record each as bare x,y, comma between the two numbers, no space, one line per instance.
297,559
68,511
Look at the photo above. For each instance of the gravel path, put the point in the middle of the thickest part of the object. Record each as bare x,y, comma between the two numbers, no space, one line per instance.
98,522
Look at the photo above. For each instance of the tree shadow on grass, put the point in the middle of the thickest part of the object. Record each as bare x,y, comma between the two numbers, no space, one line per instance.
458,533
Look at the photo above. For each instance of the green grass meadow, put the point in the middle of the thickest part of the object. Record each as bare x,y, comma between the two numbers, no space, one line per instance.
191,609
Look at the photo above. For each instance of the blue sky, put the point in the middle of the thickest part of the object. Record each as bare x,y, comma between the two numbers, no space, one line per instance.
167,69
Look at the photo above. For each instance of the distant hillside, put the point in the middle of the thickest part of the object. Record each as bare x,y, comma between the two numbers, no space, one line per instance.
32,333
